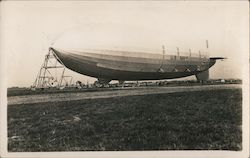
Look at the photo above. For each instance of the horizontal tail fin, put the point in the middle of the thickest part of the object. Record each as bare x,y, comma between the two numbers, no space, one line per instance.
217,58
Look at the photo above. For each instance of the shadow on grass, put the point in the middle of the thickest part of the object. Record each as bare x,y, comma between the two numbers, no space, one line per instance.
204,120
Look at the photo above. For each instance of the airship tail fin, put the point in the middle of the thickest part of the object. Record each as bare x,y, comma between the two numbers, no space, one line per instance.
203,76
217,58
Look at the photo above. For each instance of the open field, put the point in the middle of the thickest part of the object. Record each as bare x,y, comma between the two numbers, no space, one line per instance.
16,91
59,95
202,120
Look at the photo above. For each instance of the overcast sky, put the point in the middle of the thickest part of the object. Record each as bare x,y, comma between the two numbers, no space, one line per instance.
29,28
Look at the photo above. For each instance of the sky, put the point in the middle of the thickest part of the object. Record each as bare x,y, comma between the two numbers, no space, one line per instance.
29,28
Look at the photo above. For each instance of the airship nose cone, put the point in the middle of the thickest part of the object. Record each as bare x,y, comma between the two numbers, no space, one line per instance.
54,51
58,52
60,55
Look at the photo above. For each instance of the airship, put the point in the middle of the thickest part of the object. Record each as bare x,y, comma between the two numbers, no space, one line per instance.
122,65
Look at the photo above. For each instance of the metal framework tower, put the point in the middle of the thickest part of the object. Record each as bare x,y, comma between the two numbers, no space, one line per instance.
52,73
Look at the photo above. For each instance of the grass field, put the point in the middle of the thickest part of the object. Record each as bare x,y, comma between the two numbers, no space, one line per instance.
202,120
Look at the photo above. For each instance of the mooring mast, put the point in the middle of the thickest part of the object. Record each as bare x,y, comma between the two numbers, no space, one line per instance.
51,73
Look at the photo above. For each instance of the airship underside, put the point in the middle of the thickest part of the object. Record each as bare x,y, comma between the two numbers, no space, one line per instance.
107,65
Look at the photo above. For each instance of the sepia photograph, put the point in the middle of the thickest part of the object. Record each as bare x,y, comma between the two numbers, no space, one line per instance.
124,78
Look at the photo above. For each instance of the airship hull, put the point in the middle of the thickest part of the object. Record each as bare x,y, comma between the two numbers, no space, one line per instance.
129,66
